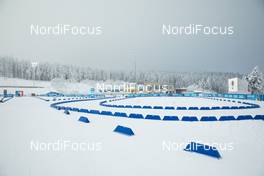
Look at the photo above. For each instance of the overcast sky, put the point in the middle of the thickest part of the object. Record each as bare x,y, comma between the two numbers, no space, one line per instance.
132,31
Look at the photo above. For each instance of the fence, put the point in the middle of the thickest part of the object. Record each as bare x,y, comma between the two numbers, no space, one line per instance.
220,95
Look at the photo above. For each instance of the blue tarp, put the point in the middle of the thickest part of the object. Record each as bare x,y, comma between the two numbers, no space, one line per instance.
203,149
124,130
84,119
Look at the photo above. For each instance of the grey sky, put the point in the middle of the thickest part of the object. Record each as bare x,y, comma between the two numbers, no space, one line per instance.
132,31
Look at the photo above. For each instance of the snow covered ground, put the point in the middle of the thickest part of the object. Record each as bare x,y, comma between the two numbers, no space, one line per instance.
156,148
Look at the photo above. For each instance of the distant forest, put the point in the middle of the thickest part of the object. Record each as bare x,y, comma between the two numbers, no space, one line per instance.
15,68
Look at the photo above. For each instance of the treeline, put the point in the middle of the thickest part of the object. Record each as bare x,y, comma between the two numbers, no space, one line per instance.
15,68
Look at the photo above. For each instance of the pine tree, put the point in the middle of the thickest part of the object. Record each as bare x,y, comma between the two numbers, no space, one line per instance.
255,81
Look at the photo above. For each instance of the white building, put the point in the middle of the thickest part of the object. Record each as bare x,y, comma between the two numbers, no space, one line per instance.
236,85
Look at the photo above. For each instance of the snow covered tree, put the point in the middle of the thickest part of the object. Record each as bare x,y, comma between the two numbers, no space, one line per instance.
255,81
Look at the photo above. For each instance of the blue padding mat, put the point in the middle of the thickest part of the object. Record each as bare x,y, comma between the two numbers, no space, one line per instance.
189,118
203,149
124,130
208,118
120,114
67,112
153,117
226,118
136,116
170,118
245,117
84,119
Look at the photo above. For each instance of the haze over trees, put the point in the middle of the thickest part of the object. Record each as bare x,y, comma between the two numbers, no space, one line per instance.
212,81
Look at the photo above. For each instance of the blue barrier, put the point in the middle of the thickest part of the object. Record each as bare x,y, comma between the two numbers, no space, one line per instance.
128,106
120,114
234,107
189,118
259,117
84,110
136,116
215,108
184,108
94,111
136,106
120,106
181,108
124,130
226,118
171,118
193,108
84,119
203,149
169,107
153,117
244,117
156,117
157,107
204,108
67,112
225,107
109,113
75,109
147,107
208,118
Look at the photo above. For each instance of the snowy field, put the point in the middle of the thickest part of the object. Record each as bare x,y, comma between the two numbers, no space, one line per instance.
154,149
